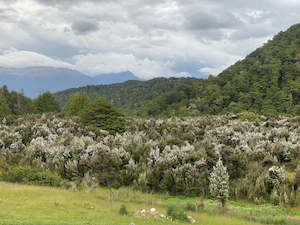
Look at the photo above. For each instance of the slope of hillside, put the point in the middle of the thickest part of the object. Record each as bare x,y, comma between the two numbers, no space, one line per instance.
267,81
129,95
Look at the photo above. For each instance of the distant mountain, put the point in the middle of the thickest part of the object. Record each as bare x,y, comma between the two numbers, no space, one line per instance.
35,80
112,78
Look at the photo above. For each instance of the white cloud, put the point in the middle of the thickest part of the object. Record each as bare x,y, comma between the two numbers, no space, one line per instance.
91,64
148,37
19,59
113,63
181,74
211,70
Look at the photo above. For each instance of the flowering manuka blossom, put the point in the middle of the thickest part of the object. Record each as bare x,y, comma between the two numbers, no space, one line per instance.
276,176
166,154
219,182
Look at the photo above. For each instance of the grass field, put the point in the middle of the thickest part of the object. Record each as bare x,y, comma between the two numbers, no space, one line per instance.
33,205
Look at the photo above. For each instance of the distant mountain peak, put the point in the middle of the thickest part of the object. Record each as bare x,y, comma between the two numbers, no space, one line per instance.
34,80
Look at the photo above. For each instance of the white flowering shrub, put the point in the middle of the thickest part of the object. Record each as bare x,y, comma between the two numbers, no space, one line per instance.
276,176
173,155
219,183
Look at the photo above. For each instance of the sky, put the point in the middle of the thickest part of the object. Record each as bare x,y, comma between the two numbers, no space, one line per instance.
150,38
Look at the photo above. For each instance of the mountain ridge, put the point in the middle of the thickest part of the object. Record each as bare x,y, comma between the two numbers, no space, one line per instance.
129,95
35,80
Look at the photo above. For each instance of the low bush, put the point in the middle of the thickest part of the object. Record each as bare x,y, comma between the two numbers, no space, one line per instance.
26,175
123,210
190,207
176,213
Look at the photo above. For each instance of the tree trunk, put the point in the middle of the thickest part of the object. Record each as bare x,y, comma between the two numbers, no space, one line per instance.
223,204
111,194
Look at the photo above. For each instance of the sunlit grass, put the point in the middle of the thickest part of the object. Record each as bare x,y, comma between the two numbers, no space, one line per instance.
33,205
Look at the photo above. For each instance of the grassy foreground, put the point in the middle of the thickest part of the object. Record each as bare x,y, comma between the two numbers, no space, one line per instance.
34,205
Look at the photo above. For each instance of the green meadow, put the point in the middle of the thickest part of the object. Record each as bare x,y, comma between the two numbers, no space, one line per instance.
35,205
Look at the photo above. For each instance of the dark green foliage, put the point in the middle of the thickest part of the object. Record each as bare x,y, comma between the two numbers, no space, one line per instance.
128,96
107,166
31,176
173,103
100,114
27,136
190,207
123,210
266,81
13,103
176,213
45,103
77,104
4,108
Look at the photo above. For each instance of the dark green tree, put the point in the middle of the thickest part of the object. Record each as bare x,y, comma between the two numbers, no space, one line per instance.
100,114
19,104
106,165
16,102
45,103
4,108
77,104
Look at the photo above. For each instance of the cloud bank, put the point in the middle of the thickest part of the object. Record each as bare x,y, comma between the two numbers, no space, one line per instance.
148,37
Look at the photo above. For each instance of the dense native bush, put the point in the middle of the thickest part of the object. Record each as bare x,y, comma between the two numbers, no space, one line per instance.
157,155
31,176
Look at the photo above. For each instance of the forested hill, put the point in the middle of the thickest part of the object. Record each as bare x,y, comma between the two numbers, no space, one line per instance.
267,81
129,95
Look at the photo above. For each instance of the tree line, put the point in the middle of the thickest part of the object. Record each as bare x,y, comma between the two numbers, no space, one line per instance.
14,103
93,112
